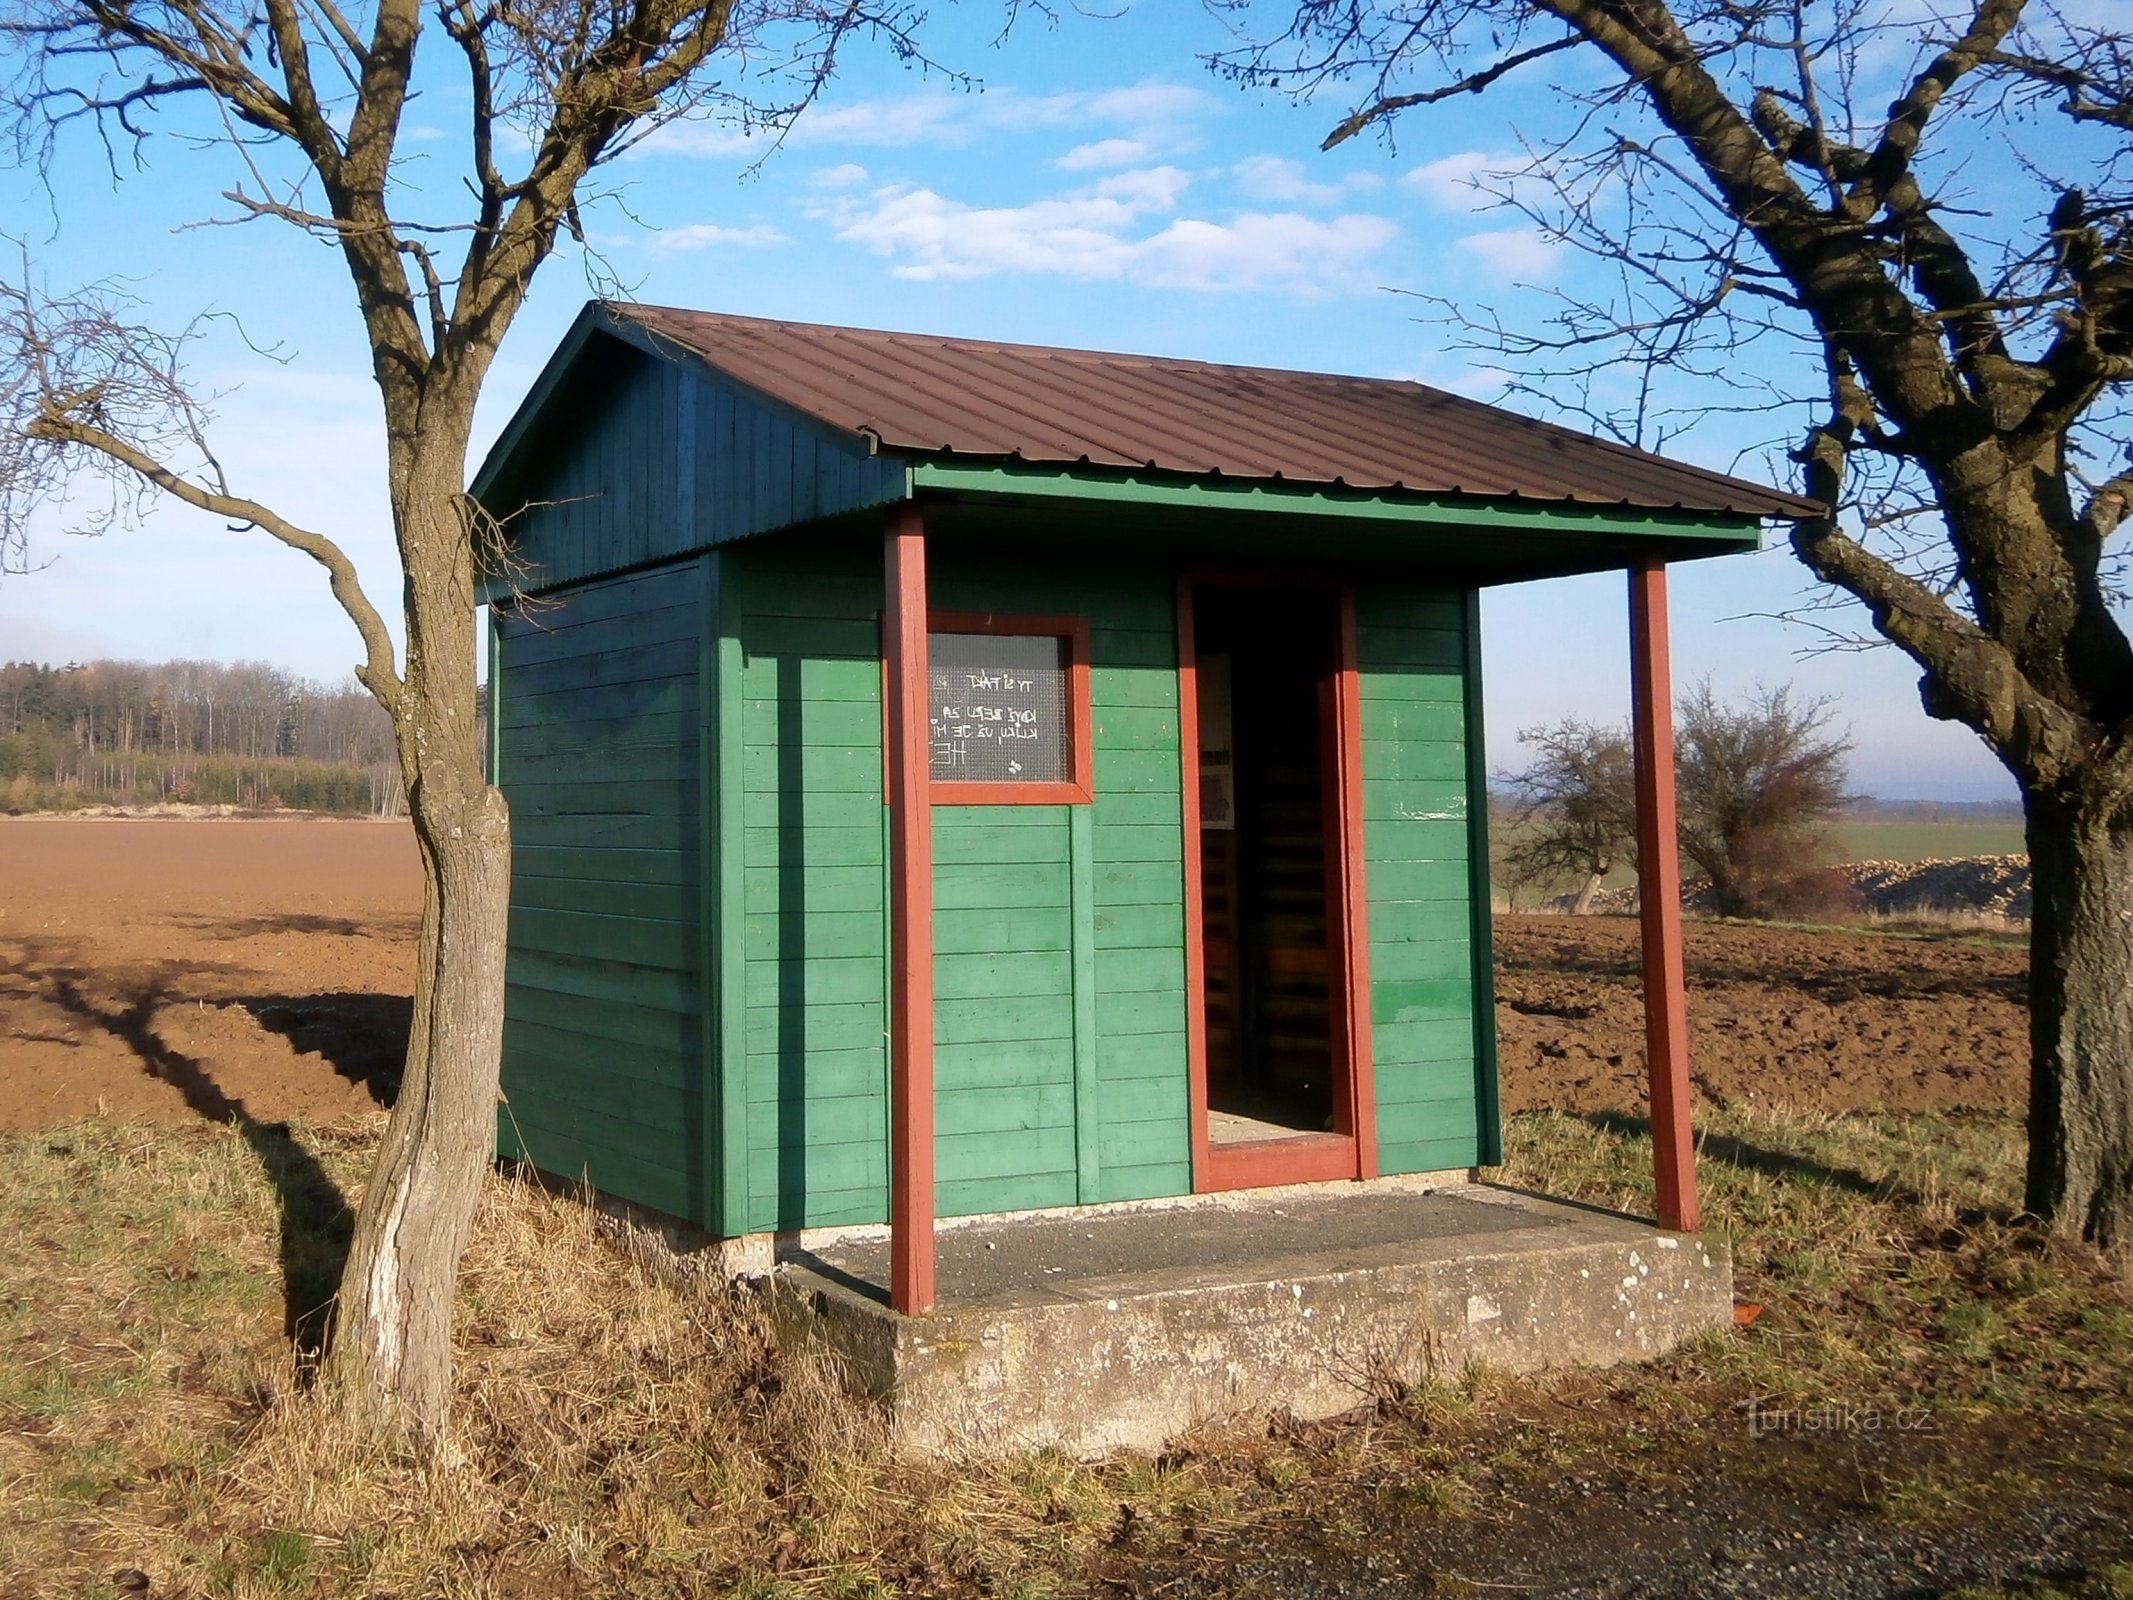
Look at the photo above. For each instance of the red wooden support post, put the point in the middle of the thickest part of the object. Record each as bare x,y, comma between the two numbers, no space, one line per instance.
1666,1019
911,918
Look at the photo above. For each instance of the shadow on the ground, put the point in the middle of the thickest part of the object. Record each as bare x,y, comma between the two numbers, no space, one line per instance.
300,922
315,1220
362,1037
1751,1157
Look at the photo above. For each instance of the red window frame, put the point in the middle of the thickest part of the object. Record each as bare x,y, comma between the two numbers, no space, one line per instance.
1080,789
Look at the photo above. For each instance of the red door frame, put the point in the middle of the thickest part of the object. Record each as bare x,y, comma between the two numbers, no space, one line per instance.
1351,1150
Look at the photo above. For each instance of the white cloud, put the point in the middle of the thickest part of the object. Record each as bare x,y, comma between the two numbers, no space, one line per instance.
1103,153
1452,183
1276,178
931,117
709,235
1145,106
845,175
1108,231
1147,189
700,139
1265,250
932,236
1146,113
1522,253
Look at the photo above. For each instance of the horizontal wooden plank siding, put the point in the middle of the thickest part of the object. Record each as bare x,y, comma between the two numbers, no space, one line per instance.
1412,647
1005,898
1033,1026
650,460
813,883
1006,1003
603,1053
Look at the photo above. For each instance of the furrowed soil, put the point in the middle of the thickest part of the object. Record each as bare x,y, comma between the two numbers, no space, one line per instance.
1818,1020
171,970
148,967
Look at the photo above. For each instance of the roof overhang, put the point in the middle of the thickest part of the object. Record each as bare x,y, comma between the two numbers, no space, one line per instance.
1481,541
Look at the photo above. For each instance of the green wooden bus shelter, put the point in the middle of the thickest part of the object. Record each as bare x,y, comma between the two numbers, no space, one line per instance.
951,777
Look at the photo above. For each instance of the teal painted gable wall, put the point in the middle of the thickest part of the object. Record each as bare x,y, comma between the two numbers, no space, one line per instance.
652,459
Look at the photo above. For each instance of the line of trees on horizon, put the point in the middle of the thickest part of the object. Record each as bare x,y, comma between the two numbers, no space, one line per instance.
244,734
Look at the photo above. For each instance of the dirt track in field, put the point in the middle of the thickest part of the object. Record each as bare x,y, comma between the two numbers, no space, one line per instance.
173,969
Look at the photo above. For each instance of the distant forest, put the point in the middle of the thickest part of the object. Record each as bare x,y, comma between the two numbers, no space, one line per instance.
129,733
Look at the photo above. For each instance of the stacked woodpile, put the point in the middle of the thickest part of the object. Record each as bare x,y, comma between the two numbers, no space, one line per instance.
1996,886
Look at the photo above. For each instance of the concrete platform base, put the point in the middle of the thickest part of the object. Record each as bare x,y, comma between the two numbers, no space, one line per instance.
1094,1333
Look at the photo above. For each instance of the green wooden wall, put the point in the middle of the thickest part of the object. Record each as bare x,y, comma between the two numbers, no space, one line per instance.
813,952
1425,861
597,742
1058,930
1092,1018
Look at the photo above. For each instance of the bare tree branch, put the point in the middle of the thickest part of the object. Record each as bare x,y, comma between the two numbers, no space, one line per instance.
1472,83
79,378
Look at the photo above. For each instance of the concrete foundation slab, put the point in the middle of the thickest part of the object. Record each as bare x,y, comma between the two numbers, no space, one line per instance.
1091,1333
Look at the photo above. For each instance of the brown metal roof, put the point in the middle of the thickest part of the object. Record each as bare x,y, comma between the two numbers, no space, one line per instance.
966,397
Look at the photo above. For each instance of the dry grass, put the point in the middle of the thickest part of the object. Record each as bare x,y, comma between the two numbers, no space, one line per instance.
1888,1251
615,1433
621,1435
1938,920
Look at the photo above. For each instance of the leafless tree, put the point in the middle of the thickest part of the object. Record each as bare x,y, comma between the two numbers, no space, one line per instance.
1905,231
1575,806
1759,782
305,102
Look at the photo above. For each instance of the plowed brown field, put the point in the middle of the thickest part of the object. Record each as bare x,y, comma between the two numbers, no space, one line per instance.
218,968
228,968
1821,1020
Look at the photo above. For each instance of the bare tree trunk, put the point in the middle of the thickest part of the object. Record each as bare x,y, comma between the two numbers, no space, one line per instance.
2081,1020
391,1347
1582,907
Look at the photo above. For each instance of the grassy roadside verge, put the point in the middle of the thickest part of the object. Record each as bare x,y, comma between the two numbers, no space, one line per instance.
621,1436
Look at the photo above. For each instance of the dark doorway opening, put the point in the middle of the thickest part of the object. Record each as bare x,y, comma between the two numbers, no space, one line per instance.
1265,659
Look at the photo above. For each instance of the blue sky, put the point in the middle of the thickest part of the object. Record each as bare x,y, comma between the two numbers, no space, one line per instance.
1101,190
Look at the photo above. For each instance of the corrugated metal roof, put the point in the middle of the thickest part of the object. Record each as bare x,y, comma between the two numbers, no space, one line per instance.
927,395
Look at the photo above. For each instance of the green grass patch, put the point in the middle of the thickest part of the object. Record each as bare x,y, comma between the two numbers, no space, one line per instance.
1928,841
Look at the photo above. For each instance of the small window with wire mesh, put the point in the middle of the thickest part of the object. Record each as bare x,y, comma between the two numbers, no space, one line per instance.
1007,709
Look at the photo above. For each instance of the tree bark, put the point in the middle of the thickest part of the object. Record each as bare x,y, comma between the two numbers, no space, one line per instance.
2081,1019
391,1348
1582,906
